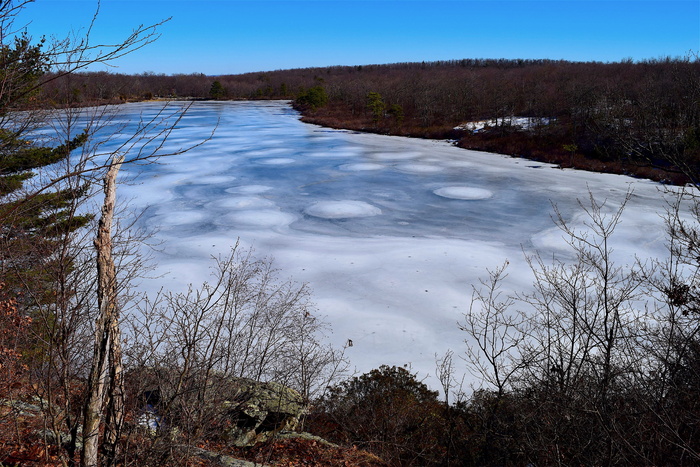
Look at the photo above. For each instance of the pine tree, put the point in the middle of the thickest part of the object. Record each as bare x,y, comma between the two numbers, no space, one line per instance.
376,105
217,91
31,220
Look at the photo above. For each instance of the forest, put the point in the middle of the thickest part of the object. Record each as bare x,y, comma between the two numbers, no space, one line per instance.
604,369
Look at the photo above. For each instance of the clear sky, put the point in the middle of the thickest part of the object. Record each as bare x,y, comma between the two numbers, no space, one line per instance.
227,37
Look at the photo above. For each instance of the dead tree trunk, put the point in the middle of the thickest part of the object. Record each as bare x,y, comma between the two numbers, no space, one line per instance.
105,383
115,396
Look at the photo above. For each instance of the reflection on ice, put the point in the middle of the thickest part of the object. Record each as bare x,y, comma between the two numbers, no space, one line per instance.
389,232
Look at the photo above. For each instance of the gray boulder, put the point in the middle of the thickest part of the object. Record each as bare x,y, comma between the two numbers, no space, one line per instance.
258,411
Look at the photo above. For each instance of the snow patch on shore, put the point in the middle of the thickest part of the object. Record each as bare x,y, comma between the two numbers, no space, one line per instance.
522,123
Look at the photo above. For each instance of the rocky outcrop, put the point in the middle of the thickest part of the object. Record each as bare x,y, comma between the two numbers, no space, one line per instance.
246,411
258,411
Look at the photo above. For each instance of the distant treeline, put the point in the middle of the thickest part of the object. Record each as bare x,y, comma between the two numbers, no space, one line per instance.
636,117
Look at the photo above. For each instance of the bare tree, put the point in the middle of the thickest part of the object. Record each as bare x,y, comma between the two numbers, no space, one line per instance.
496,330
668,385
573,352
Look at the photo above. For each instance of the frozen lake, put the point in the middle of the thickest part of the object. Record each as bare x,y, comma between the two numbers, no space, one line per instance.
389,232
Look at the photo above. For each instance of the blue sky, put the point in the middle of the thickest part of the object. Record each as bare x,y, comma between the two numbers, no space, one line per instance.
227,37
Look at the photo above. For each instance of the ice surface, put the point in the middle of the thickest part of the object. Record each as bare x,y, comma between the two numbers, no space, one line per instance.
395,156
390,233
342,209
249,189
419,168
463,192
361,166
277,161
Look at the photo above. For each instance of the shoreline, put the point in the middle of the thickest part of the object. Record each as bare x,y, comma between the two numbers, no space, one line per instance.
502,146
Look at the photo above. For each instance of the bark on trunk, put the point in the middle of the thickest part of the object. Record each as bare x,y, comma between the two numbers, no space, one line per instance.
105,375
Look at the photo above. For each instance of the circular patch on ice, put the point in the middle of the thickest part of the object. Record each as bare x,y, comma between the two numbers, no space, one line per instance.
463,192
242,202
338,153
361,167
342,209
256,218
419,168
277,161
